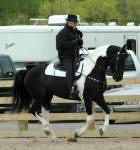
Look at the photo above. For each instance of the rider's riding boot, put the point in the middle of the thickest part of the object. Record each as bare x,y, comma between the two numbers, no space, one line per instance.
74,91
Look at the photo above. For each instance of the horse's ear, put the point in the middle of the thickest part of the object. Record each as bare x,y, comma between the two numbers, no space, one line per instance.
124,47
101,59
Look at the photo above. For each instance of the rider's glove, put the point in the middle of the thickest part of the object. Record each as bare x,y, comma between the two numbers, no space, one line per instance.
79,33
75,42
80,42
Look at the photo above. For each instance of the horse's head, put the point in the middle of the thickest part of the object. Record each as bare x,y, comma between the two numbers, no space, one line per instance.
116,57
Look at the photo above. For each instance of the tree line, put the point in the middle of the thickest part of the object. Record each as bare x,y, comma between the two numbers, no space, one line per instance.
18,12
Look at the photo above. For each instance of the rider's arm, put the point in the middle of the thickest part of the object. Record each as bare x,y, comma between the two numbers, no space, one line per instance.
62,41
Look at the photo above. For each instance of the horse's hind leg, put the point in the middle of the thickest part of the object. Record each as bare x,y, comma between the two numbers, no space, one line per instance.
43,116
101,102
44,119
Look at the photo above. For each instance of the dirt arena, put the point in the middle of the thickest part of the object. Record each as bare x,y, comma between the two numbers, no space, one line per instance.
62,144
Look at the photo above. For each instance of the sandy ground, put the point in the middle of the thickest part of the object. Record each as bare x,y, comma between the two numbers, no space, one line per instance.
62,144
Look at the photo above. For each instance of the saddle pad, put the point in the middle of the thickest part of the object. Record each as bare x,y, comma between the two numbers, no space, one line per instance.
51,71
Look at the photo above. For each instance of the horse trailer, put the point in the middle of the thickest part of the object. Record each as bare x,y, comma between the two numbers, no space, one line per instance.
37,43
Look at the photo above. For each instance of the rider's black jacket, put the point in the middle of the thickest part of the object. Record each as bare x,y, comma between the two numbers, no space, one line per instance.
67,42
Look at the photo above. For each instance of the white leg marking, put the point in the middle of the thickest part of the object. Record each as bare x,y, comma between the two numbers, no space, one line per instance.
44,119
82,130
106,123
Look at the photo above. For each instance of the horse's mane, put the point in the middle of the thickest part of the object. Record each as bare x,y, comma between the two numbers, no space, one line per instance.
100,51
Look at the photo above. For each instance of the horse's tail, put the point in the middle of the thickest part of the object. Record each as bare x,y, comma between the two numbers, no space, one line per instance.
21,97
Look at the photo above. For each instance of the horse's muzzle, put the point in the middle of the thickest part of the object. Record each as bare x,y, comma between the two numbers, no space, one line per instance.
117,78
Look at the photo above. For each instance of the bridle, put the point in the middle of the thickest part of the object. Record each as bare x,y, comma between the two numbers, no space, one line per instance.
117,57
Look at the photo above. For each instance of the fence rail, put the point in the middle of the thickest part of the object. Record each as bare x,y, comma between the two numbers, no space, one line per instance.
23,117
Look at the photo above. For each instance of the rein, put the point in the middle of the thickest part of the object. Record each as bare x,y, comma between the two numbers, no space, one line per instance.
88,53
93,79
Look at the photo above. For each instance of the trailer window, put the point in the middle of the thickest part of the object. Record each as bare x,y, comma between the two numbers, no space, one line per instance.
6,64
129,65
131,45
0,70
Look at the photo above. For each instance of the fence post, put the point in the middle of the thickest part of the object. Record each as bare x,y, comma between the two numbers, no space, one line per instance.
23,124
92,127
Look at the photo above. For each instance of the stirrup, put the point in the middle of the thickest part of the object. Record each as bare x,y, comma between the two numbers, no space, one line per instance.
74,92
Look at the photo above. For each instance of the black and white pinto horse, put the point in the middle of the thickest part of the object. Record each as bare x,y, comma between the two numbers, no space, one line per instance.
34,87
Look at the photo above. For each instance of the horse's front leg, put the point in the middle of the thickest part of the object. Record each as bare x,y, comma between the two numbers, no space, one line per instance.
101,102
82,130
88,107
105,125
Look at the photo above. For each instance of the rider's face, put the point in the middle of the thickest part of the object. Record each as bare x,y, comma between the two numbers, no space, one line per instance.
72,24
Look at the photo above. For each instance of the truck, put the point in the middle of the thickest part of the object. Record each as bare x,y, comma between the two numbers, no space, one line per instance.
34,44
7,72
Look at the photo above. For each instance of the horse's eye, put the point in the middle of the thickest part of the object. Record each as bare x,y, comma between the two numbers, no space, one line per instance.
126,55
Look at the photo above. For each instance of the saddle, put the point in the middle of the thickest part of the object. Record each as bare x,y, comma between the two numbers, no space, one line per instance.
58,70
59,66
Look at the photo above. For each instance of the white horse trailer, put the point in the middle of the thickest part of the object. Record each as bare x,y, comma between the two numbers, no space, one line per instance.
95,36
34,43
28,44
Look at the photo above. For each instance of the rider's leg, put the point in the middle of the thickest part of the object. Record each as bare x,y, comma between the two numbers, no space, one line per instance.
68,66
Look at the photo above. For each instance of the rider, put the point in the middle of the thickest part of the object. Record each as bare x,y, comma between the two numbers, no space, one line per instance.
68,42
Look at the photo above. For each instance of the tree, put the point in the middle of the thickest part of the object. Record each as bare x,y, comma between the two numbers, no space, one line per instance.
130,10
12,11
98,11
57,7
20,11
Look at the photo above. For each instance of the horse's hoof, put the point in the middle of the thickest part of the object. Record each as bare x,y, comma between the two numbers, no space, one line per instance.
54,140
101,131
76,135
71,139
47,132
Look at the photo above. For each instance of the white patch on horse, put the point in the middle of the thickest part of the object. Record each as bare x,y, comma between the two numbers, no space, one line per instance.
43,117
82,130
106,123
89,65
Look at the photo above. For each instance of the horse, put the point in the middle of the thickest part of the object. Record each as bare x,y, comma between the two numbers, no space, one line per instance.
34,90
